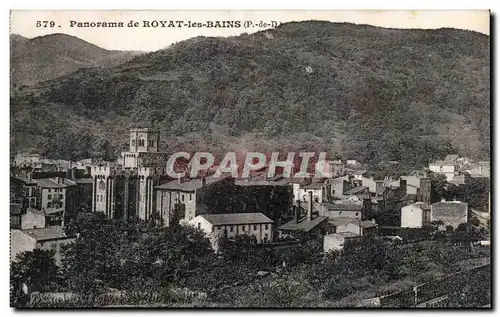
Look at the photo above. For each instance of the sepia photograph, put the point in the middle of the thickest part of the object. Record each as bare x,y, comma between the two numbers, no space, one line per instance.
250,159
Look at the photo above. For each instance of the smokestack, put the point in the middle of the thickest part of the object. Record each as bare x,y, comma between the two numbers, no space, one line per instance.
310,206
296,213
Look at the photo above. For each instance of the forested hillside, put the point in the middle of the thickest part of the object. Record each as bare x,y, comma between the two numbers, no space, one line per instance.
354,90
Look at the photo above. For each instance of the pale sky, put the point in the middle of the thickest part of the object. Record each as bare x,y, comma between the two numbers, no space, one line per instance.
151,39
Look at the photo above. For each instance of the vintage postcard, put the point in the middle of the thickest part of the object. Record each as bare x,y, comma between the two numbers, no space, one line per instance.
253,159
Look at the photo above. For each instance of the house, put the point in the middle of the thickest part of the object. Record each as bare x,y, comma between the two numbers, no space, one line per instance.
337,241
16,211
359,174
320,192
358,190
187,199
27,159
337,168
446,168
49,238
34,219
357,226
216,226
338,186
57,196
352,163
451,213
309,225
415,215
344,209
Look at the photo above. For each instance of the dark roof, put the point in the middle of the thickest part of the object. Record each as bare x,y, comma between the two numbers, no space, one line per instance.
355,190
48,233
451,157
83,181
409,197
343,207
52,183
189,185
303,224
313,186
367,224
341,221
236,219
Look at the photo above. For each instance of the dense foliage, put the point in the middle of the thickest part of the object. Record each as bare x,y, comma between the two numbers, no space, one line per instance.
374,94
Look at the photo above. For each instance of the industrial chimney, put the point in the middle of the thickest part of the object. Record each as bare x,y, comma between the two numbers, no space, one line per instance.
310,206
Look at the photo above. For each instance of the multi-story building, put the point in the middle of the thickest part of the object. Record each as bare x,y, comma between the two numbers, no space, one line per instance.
183,200
217,226
126,189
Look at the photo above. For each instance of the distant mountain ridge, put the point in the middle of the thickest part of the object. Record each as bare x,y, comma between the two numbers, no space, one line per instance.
365,92
47,57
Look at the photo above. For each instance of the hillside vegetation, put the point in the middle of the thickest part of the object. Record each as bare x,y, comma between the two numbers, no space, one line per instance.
48,57
353,90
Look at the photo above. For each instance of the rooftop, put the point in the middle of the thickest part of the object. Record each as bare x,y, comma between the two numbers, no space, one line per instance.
421,205
303,224
343,207
348,234
313,186
355,190
189,185
236,219
48,233
451,157
53,183
341,221
83,181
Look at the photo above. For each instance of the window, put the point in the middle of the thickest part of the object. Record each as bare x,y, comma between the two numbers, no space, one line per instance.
199,225
26,191
49,205
182,198
254,227
61,196
231,228
266,227
49,190
190,196
102,199
357,214
49,197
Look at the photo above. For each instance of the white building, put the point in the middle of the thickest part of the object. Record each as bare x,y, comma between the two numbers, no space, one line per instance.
216,226
415,215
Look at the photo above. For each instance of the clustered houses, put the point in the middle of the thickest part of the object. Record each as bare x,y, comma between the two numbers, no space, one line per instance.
334,209
460,170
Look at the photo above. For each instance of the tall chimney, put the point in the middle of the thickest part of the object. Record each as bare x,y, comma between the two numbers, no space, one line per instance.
310,206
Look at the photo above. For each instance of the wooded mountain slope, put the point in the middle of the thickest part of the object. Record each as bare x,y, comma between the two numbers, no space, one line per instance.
354,90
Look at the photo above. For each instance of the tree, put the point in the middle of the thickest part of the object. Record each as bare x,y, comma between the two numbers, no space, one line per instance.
37,270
